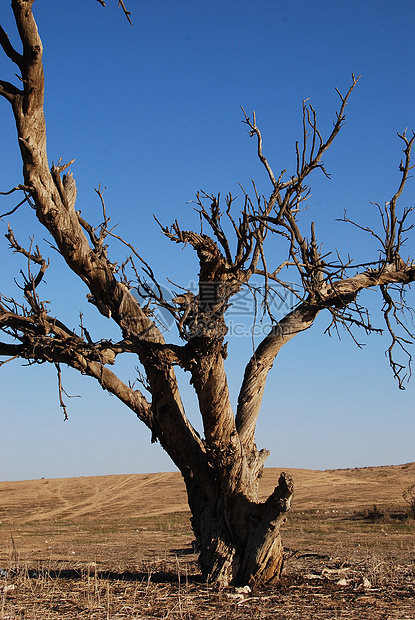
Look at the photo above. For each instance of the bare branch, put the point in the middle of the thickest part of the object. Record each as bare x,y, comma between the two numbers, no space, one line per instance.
60,391
9,91
122,5
392,240
392,308
15,189
213,218
254,131
25,199
9,49
31,282
126,13
15,357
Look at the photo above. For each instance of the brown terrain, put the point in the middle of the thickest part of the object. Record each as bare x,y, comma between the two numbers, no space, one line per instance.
118,547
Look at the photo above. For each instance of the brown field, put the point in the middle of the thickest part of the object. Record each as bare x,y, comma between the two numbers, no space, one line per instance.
118,547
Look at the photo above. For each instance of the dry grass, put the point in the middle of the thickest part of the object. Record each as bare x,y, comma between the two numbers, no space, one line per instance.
118,547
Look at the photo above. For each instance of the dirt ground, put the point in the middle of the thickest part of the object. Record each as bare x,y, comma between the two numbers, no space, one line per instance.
118,547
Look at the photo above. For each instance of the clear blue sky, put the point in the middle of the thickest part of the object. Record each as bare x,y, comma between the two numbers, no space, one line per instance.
152,111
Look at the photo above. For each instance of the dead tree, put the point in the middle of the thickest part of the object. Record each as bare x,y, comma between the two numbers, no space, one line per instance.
238,535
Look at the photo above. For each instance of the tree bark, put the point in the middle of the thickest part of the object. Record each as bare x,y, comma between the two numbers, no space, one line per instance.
239,539
239,536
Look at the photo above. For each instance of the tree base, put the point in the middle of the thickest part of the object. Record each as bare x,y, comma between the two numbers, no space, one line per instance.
240,540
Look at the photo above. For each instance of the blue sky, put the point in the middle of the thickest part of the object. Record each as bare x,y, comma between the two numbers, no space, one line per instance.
152,112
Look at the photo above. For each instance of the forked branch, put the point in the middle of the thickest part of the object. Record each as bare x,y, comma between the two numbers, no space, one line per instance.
122,5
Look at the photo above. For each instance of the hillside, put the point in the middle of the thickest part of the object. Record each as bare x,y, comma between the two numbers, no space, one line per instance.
119,547
100,517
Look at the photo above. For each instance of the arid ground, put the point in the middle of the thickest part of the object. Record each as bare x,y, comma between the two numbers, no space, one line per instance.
118,547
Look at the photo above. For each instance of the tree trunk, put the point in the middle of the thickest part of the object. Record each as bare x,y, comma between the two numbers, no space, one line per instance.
239,539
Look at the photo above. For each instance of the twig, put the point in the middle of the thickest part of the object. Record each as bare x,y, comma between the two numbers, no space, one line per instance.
122,5
62,391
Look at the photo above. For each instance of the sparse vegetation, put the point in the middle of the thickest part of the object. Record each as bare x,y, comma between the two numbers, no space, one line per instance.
327,590
73,553
374,514
409,497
